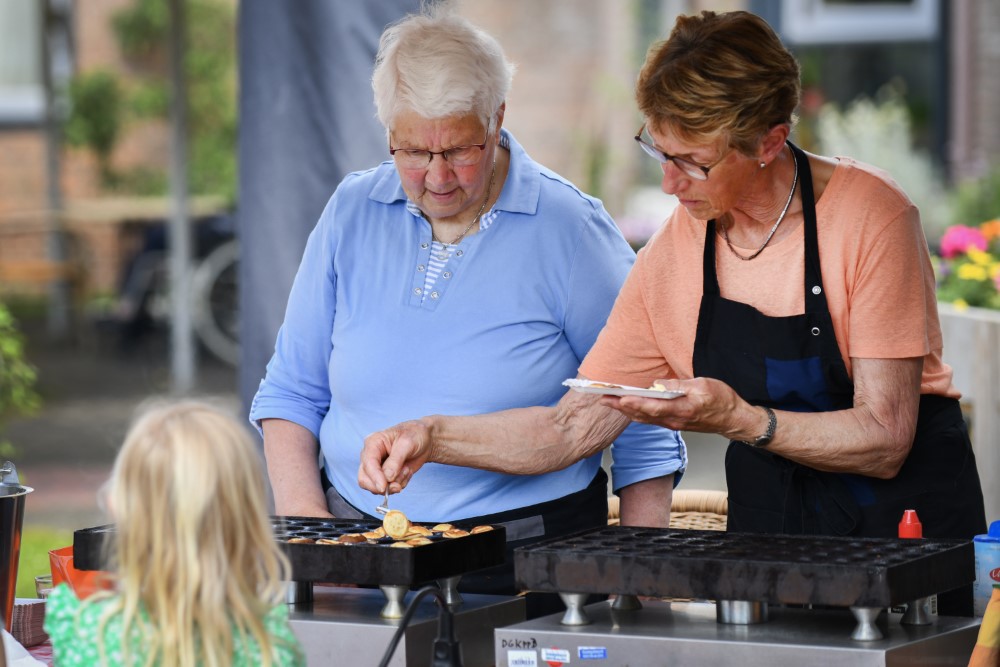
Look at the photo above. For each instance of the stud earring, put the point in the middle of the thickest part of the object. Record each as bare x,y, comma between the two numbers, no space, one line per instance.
763,164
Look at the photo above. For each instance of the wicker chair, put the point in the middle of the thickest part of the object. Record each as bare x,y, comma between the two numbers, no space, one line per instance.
693,509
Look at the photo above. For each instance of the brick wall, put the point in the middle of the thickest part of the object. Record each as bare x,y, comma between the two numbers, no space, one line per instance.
23,176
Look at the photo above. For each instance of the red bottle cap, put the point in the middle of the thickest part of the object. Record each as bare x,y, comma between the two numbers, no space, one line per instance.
910,526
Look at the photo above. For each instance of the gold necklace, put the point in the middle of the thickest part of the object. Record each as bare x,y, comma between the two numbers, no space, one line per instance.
489,190
791,193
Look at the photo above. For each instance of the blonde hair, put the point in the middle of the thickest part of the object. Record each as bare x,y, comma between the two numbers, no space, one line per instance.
437,64
194,546
717,75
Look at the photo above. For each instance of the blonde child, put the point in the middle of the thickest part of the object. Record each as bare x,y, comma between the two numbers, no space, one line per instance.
198,575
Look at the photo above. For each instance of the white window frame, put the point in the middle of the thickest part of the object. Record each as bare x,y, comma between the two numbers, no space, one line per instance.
24,101
822,21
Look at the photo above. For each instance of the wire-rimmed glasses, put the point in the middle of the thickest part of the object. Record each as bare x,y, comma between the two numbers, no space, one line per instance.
456,156
695,171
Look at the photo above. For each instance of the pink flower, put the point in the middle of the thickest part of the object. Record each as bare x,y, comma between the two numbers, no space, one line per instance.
959,238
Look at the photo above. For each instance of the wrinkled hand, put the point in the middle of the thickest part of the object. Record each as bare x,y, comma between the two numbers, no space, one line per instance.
392,456
708,406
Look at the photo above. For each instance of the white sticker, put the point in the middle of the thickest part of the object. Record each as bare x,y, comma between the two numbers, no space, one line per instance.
522,659
555,656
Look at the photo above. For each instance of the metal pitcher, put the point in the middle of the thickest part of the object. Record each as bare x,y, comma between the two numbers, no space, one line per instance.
12,495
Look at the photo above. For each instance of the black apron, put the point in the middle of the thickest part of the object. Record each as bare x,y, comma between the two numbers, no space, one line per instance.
794,363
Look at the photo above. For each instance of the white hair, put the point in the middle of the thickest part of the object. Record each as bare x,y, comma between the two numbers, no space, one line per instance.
437,64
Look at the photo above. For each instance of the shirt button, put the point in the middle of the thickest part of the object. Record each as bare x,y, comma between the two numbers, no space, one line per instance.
815,331
417,290
420,267
459,253
425,245
434,295
446,274
817,289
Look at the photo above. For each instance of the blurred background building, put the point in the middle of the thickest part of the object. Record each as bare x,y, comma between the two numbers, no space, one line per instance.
571,104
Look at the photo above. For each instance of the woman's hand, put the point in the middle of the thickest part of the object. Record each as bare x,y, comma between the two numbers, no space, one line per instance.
707,406
873,437
391,457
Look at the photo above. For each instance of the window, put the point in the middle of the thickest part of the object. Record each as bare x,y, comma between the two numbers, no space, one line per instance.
22,96
820,21
22,81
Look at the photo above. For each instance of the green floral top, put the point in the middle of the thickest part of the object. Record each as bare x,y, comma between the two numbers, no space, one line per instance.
74,642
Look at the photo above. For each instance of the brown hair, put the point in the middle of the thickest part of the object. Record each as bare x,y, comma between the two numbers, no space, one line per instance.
719,75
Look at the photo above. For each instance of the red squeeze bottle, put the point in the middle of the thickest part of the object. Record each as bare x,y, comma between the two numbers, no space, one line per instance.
910,526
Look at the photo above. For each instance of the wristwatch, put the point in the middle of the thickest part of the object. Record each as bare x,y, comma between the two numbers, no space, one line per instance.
763,440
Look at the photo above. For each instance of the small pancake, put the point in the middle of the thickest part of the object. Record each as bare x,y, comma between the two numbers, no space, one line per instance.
441,527
455,532
302,540
419,541
401,545
481,529
326,540
396,524
352,538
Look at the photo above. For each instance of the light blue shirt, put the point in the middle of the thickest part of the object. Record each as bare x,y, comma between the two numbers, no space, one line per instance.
511,316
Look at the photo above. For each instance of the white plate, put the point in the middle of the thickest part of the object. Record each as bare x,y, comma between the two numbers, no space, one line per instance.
606,388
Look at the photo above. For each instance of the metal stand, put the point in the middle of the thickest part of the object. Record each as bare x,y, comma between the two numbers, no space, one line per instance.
449,587
299,592
740,612
575,615
626,603
394,607
918,612
865,631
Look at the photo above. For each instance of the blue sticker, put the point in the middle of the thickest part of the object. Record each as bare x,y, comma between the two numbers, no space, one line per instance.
592,653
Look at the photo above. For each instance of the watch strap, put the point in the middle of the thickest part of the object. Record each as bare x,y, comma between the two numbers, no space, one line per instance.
772,425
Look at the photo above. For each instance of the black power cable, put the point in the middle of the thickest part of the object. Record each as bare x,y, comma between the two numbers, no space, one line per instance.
447,652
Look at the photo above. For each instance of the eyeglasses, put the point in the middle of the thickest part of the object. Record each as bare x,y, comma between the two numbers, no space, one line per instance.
456,156
695,171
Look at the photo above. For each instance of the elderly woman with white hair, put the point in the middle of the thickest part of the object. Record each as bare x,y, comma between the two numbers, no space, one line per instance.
460,277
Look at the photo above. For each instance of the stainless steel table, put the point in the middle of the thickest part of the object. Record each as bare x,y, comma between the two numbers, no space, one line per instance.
687,633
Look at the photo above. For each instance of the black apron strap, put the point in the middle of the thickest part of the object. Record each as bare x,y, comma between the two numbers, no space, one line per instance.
815,299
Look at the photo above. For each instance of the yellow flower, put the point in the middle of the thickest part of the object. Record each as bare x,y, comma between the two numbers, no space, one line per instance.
972,272
979,257
960,304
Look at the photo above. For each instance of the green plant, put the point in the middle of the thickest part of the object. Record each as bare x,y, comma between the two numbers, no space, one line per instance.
96,116
978,199
17,376
142,30
879,132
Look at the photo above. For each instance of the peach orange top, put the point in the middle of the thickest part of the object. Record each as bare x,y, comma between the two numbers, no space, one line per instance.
877,276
